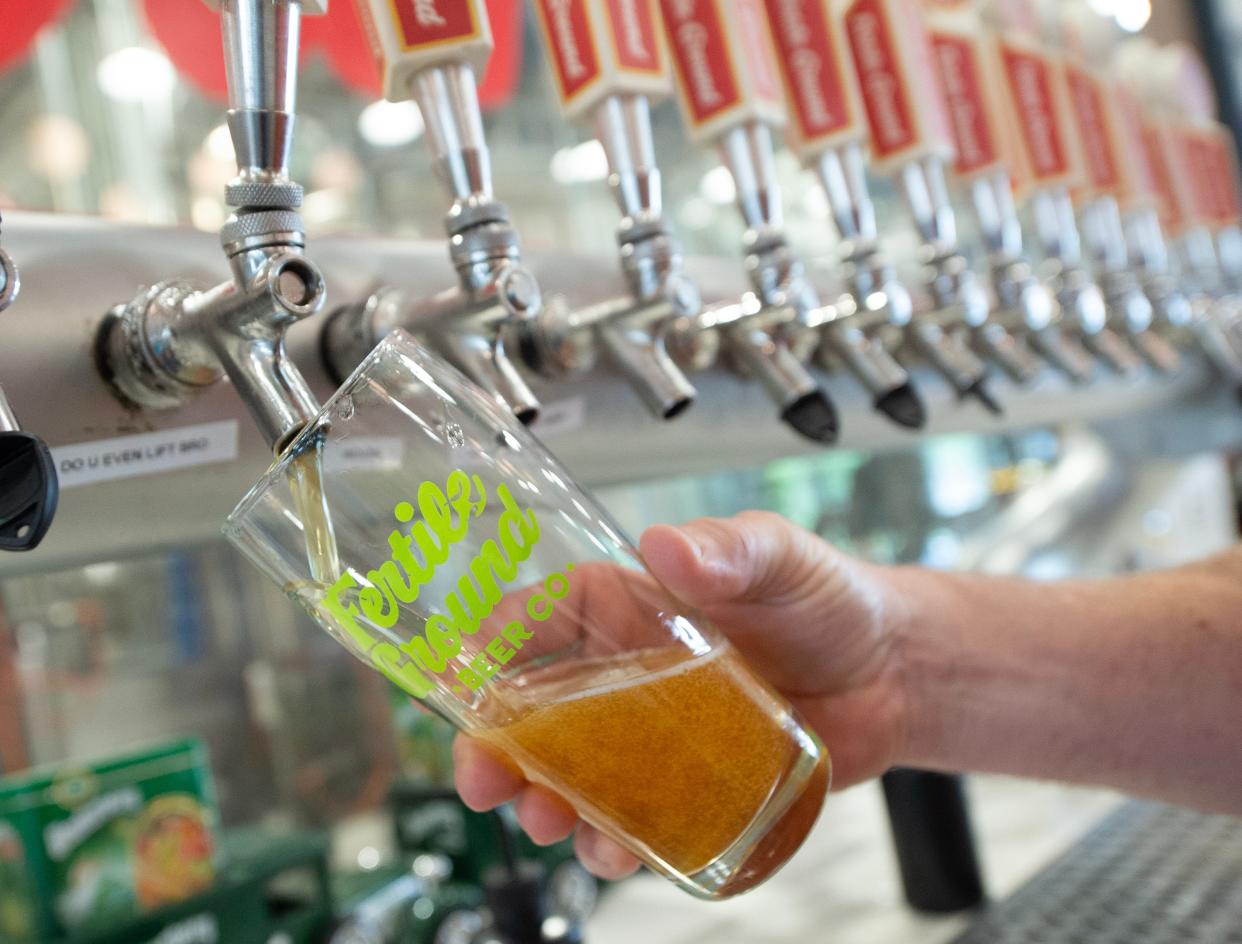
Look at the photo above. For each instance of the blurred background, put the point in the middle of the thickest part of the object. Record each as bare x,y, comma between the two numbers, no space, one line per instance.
113,108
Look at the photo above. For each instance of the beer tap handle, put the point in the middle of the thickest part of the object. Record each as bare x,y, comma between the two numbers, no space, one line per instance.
430,51
1035,93
907,118
731,99
828,132
911,144
608,62
986,156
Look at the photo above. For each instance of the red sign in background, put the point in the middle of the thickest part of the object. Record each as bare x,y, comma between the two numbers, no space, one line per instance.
190,33
25,21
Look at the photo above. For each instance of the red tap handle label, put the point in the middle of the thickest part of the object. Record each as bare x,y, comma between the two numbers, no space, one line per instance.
892,59
1194,193
599,48
722,57
425,23
1224,157
408,36
1032,86
1199,154
571,44
1091,116
1139,184
976,125
756,42
1173,213
819,81
635,35
708,80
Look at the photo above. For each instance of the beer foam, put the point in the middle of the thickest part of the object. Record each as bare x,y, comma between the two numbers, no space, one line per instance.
629,666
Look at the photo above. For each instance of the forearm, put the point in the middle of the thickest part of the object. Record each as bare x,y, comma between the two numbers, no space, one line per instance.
1134,683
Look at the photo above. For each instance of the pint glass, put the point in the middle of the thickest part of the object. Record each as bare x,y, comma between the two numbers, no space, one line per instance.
435,538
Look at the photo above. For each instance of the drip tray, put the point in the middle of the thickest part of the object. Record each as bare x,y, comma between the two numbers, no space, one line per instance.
1149,874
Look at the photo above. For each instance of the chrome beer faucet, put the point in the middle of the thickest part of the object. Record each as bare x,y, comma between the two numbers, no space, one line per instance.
176,337
1086,38
1033,81
434,60
1081,297
29,488
828,132
911,142
626,67
875,316
958,299
1023,302
988,167
770,333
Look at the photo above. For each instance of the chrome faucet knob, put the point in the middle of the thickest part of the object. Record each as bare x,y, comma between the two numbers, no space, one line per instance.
10,281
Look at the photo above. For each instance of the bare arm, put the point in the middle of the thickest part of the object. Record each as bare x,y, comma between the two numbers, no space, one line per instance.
1133,683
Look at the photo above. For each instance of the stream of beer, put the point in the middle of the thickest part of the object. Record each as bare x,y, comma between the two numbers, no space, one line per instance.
306,483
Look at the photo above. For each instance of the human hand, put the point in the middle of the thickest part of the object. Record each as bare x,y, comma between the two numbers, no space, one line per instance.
820,626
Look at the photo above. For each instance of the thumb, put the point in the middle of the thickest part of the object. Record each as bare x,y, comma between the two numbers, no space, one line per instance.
756,556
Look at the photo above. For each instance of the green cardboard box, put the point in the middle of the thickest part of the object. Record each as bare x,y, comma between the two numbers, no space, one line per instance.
85,846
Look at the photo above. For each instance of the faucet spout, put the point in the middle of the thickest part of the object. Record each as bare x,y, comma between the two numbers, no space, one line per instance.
485,359
761,352
639,353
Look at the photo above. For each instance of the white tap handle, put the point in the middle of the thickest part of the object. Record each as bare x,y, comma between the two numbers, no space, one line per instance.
410,36
822,91
892,60
601,48
983,132
723,61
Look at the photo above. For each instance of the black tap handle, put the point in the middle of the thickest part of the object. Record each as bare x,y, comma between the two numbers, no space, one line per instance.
28,490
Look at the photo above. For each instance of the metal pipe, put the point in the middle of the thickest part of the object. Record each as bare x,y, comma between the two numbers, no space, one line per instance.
926,194
449,101
623,127
843,174
748,153
260,59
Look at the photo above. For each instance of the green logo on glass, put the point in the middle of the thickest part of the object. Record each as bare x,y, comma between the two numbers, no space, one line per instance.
417,553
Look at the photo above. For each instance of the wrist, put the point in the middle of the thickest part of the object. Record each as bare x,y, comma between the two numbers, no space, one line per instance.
918,619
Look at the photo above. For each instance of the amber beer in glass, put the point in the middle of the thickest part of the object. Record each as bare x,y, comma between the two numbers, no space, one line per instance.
434,537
